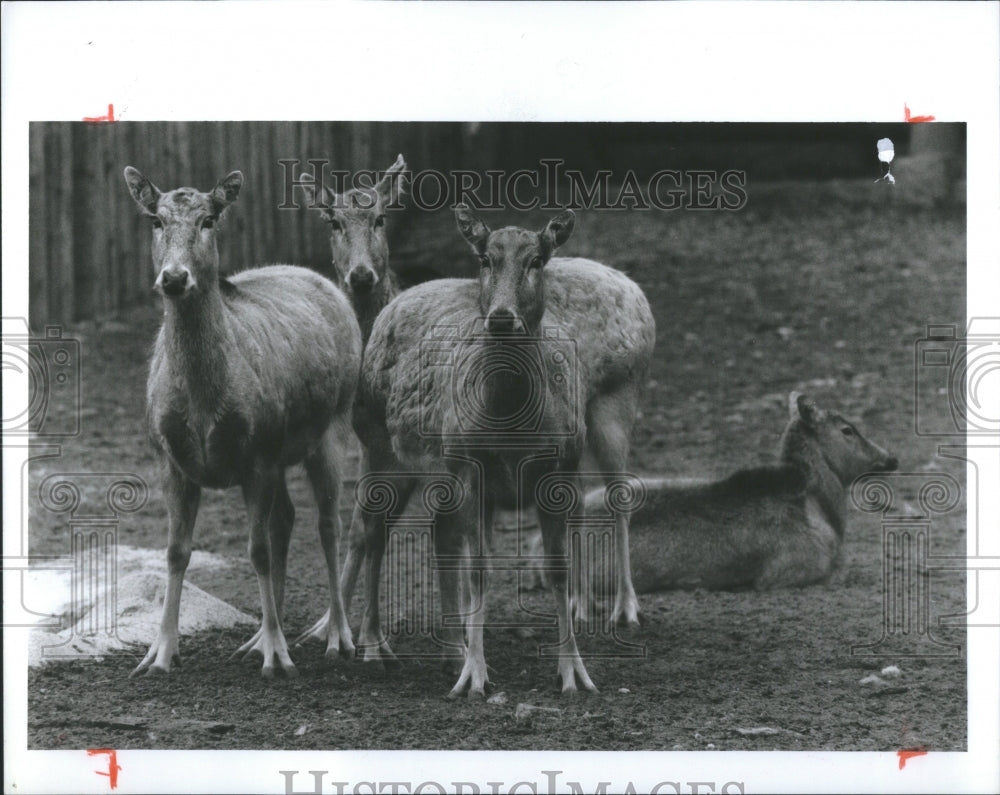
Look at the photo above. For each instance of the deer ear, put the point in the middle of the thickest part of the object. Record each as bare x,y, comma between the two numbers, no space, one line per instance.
392,186
309,189
144,192
558,230
475,232
804,409
323,199
227,190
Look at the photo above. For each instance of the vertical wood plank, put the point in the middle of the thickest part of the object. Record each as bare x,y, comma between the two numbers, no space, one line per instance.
183,154
50,178
287,239
238,244
256,207
135,257
270,179
305,152
113,186
38,268
86,262
63,223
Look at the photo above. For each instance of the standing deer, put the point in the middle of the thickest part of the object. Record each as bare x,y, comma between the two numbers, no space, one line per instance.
776,526
512,389
358,245
249,375
360,255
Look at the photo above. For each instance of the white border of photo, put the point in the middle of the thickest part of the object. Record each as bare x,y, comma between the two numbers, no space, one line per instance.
729,61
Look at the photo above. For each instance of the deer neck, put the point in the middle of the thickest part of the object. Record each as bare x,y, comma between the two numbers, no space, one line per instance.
367,307
822,484
514,383
831,496
196,338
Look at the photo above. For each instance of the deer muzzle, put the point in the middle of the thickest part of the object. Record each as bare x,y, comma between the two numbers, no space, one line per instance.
502,321
362,279
174,281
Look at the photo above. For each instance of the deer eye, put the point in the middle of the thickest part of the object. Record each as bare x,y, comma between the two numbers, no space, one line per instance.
157,223
484,261
208,223
380,221
535,262
335,225
847,431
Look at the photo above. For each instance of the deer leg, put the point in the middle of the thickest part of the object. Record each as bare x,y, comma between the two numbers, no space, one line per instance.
452,588
609,420
182,497
280,524
281,520
455,582
460,532
353,561
570,666
537,579
372,643
356,547
581,583
355,557
802,560
324,476
260,492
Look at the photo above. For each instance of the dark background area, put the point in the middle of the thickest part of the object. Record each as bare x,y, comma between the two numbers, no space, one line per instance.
89,247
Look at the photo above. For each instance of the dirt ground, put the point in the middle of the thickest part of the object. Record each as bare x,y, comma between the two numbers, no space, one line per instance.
819,287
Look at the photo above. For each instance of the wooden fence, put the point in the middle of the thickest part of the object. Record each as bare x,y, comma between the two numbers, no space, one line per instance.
89,246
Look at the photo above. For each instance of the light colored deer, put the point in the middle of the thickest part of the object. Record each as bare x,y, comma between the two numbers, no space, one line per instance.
358,245
249,375
765,527
360,256
547,357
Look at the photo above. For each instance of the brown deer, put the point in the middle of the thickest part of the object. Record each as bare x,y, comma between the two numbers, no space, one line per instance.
249,375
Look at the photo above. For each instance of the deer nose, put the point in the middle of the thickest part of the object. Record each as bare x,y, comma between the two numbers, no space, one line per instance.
500,321
174,281
361,279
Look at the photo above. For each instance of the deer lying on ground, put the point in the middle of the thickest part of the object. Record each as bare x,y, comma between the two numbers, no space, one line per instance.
249,375
543,359
766,527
